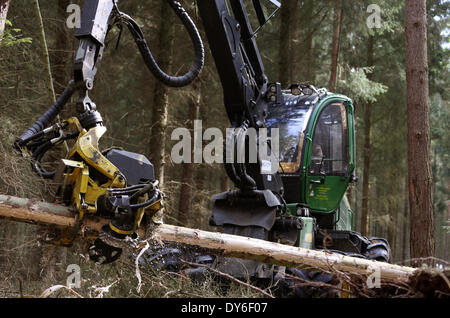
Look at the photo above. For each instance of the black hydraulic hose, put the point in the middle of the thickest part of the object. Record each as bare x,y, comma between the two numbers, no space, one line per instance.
127,190
231,172
33,145
37,157
152,65
229,167
247,182
146,203
46,119
237,171
39,150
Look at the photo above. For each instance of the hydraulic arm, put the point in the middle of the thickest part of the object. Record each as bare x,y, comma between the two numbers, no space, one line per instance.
114,183
244,83
246,97
251,210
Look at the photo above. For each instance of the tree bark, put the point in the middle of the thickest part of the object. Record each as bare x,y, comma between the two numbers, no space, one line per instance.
161,97
419,167
187,178
44,52
4,5
405,221
366,171
308,63
392,229
301,68
288,14
336,39
367,150
62,54
294,35
48,256
447,234
26,210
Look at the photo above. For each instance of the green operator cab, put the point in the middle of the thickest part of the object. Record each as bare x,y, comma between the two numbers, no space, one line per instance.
317,153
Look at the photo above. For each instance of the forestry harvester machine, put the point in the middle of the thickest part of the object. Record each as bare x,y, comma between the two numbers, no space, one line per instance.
302,202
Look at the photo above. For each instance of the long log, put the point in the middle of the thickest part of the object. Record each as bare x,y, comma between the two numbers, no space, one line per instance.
26,210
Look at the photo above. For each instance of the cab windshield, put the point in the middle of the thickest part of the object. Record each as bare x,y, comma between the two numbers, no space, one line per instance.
290,119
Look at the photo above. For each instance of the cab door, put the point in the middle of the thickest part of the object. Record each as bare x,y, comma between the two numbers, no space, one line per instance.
328,166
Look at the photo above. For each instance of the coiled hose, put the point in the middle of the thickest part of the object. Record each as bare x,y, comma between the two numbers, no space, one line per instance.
36,130
150,62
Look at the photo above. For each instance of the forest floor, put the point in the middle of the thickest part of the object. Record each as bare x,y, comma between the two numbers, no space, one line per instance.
117,279
20,279
29,268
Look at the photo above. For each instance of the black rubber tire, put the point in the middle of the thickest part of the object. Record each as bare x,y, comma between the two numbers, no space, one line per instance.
378,250
293,288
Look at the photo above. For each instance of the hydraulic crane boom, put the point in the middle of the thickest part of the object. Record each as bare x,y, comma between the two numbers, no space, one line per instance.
251,210
245,85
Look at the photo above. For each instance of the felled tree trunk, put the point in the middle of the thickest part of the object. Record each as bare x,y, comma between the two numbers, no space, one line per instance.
26,210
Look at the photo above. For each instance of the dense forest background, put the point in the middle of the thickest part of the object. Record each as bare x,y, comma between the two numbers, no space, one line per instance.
140,113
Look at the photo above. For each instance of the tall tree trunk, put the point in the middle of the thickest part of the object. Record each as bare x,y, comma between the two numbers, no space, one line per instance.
367,149
62,54
405,221
447,234
301,50
60,60
366,170
419,168
294,35
308,69
289,10
336,39
394,210
4,5
161,98
44,52
47,261
187,178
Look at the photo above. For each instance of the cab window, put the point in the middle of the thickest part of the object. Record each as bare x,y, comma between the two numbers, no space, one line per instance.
291,120
329,152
